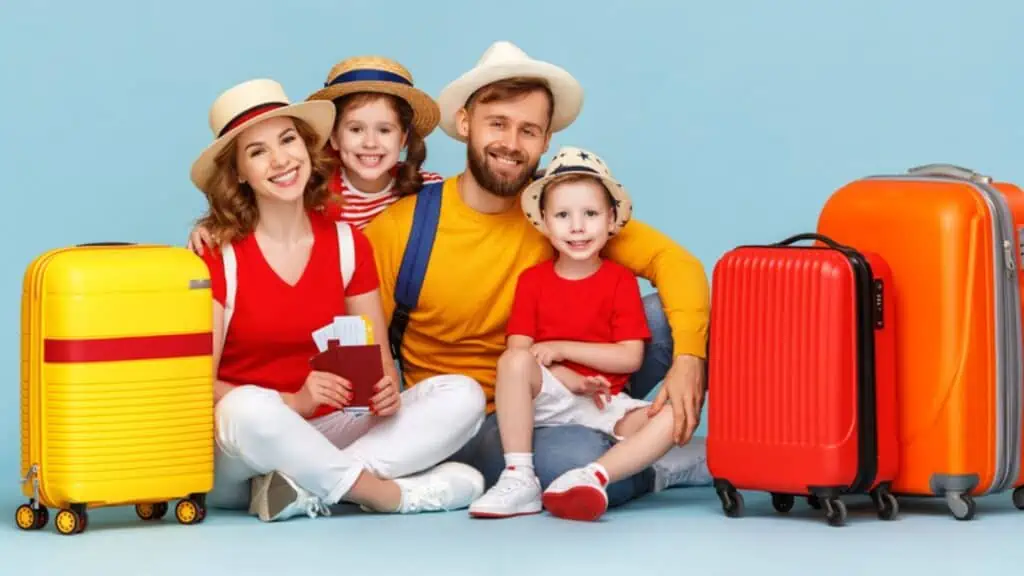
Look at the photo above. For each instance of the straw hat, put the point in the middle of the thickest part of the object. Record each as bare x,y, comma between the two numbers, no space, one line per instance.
385,76
504,60
571,160
253,101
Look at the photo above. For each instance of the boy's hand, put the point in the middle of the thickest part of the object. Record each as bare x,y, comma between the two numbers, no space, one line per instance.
547,353
595,386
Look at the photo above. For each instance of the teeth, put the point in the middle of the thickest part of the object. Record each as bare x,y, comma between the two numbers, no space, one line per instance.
371,159
287,176
505,160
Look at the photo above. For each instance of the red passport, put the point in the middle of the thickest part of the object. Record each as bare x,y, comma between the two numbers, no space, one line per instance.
360,365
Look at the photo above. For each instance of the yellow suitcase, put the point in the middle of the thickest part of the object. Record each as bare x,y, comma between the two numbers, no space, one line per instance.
116,384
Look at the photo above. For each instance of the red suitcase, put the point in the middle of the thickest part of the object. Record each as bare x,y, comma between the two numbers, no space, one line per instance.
801,377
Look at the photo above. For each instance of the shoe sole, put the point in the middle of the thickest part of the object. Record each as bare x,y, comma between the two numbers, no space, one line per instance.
280,495
492,514
582,503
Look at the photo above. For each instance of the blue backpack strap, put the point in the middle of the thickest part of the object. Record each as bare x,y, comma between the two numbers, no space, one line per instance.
414,263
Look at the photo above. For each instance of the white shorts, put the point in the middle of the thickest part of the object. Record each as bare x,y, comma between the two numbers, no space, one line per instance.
556,405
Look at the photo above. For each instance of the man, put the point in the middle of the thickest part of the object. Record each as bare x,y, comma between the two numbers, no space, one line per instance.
506,110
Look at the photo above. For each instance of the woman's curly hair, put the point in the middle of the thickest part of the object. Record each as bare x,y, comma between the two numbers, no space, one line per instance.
233,212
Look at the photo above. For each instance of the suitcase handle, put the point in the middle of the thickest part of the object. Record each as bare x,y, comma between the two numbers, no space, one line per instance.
811,236
89,244
949,171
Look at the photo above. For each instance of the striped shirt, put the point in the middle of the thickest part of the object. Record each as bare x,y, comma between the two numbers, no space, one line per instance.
358,208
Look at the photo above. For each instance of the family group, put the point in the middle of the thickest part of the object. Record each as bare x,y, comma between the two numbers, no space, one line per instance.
522,363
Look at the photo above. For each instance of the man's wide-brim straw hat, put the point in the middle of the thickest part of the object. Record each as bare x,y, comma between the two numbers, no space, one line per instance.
383,76
250,102
502,61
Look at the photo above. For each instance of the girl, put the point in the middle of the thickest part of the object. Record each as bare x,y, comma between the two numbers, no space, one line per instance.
379,112
283,271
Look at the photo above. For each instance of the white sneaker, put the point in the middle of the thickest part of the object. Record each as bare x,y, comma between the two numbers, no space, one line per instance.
275,497
447,486
517,492
683,466
578,494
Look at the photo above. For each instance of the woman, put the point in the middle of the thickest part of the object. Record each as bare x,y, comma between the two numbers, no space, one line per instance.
283,272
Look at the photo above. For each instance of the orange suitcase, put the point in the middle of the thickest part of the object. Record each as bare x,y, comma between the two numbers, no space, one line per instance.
953,239
116,384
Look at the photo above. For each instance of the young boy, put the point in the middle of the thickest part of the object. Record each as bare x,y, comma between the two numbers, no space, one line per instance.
575,335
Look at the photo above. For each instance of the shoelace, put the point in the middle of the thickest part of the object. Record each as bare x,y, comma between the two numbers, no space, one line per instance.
430,496
315,507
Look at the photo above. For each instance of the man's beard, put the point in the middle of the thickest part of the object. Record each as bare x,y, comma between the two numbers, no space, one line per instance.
495,183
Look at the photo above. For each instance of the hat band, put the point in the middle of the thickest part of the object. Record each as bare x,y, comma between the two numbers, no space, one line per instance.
249,114
567,168
367,75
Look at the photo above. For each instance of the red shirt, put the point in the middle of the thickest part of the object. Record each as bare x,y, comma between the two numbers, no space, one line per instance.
604,307
269,342
358,208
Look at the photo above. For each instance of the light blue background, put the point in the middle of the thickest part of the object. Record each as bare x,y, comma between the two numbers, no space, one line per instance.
730,121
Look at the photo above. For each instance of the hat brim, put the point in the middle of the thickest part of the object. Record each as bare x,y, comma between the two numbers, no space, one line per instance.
318,115
530,200
425,111
567,92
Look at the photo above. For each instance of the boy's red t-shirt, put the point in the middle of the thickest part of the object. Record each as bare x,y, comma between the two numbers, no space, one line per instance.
270,339
605,307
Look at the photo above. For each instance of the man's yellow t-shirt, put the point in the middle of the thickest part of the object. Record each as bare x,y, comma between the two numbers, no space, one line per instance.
458,326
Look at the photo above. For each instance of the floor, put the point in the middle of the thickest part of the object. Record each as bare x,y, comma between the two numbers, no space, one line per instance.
680,531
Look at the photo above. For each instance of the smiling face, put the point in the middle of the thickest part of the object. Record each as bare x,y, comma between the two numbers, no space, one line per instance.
579,216
369,136
272,158
506,127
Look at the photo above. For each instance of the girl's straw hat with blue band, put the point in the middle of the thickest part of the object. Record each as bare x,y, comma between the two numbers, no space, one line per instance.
381,75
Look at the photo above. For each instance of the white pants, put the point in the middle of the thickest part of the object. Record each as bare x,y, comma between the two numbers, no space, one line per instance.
556,405
256,433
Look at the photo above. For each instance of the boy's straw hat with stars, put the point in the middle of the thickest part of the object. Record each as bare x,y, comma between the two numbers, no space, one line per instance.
572,160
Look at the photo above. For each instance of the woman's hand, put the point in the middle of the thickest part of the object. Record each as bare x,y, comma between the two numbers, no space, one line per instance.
387,399
321,388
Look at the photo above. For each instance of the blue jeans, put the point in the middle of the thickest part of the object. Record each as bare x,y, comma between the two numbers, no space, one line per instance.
559,449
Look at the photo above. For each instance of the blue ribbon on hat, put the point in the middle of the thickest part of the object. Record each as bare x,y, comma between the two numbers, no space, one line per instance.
366,75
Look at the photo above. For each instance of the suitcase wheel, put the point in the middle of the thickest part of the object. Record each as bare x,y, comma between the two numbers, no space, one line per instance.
1018,498
151,511
886,504
835,511
70,521
732,500
782,502
31,516
961,505
191,510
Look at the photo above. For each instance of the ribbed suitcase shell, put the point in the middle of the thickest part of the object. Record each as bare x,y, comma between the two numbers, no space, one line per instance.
952,239
801,394
116,383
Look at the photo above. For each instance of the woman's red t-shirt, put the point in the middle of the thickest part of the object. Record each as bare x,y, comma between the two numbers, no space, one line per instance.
270,339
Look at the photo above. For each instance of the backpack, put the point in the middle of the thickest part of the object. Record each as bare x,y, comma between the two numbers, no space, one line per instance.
346,251
414,263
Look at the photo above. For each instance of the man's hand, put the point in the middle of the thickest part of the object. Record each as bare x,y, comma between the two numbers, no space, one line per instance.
684,388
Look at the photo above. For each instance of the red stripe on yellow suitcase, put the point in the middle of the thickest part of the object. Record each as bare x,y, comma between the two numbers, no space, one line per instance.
801,392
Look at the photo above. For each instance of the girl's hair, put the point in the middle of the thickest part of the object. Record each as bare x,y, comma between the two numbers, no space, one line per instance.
233,212
409,180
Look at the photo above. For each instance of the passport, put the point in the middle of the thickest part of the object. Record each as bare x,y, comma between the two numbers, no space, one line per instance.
361,365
